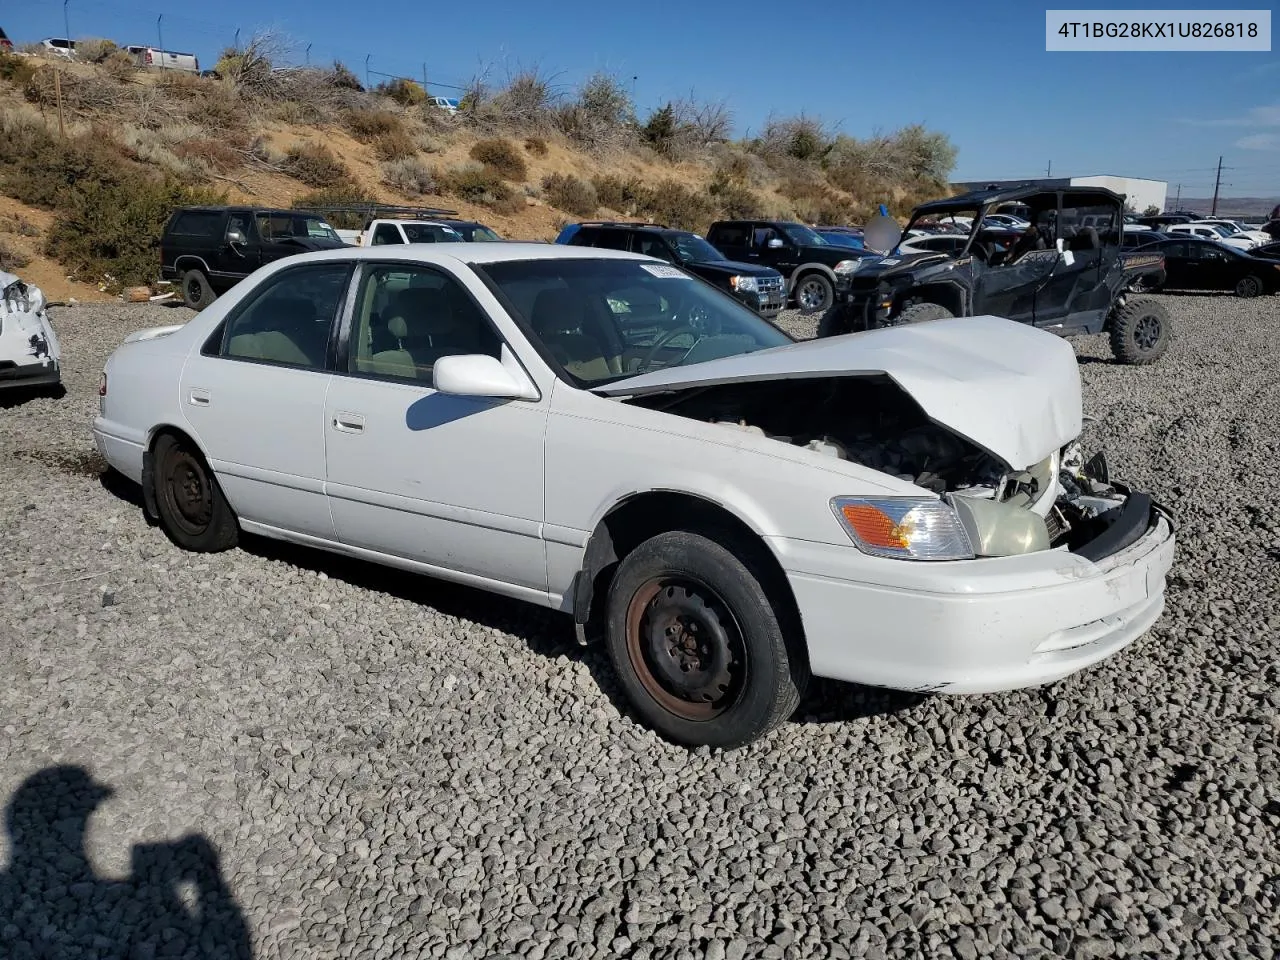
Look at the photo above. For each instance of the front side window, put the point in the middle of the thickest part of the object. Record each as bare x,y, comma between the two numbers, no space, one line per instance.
603,320
652,246
408,317
802,236
288,319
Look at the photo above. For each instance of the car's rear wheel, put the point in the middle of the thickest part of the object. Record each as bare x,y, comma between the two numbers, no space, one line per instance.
193,512
921,313
699,645
197,292
814,293
1249,286
1140,332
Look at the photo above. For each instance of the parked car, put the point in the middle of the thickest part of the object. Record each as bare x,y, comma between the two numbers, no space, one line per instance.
1207,231
59,47
1162,221
596,433
145,56
29,353
1137,238
1268,251
1194,264
449,105
760,288
473,231
5,43
1235,229
381,232
1007,220
841,236
211,249
1061,277
807,261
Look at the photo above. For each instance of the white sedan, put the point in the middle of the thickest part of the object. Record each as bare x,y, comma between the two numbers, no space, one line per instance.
601,433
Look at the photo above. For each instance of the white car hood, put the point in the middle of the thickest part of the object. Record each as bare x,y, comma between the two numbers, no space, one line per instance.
1010,388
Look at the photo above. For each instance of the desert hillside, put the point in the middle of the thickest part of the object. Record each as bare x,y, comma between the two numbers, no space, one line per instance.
94,155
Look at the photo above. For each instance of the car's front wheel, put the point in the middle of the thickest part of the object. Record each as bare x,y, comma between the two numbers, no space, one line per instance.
814,293
193,512
1249,286
698,644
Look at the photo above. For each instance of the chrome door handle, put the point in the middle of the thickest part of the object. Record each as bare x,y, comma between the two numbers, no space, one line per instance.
348,422
199,397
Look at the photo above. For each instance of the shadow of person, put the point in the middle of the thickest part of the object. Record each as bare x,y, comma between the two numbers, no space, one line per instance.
52,905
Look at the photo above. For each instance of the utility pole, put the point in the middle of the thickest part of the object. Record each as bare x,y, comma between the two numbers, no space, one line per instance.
308,54
1177,204
367,84
1216,184
160,37
66,23
424,78
235,44
1049,172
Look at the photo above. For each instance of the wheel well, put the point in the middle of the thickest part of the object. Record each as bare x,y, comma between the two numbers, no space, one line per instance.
191,263
809,268
638,518
944,295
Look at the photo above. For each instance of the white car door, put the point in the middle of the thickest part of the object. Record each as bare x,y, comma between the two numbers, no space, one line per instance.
449,481
254,397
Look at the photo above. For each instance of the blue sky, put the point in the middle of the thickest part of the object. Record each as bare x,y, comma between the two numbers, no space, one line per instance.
976,71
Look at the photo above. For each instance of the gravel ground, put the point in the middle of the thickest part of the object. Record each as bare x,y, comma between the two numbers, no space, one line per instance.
391,767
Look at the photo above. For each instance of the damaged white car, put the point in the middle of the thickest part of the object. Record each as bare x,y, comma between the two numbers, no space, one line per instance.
29,351
605,435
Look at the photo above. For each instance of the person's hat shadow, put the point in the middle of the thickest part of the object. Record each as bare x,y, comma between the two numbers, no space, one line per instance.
174,903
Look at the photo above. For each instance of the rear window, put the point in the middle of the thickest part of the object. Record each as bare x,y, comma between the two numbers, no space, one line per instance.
731,235
197,223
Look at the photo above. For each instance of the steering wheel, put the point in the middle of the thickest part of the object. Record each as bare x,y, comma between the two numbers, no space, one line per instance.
666,338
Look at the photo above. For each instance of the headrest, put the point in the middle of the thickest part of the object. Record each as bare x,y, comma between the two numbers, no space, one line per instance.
397,327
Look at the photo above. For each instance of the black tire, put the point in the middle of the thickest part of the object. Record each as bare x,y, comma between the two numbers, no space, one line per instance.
922,312
833,323
814,293
197,293
1249,287
1140,332
739,684
193,512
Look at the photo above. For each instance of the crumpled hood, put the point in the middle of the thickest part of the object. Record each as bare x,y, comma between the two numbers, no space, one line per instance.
1010,388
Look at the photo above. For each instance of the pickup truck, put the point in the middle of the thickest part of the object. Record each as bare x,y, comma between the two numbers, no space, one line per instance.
380,232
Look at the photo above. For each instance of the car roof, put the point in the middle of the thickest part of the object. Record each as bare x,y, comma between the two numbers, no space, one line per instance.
477,253
978,198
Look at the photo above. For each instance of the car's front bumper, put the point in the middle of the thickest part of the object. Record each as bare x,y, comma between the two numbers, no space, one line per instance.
766,303
976,626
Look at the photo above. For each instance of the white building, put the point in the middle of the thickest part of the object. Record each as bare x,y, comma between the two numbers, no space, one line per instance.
1139,193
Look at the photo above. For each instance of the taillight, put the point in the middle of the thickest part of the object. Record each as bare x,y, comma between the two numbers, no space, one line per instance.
102,385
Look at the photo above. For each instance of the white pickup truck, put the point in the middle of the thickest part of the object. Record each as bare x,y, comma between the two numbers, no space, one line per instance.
380,232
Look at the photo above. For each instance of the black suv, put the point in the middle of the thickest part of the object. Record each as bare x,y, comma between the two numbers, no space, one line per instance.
760,288
211,249
797,252
1066,273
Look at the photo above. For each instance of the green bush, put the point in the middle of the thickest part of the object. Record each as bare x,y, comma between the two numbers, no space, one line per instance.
315,165
16,70
480,185
407,93
40,169
734,200
676,205
568,193
502,157
617,193
367,125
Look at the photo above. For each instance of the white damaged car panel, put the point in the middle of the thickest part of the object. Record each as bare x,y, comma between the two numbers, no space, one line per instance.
29,352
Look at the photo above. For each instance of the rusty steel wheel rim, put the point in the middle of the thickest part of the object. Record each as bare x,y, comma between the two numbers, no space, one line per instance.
188,493
685,647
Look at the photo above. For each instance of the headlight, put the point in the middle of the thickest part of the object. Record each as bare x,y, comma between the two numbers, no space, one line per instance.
908,528
848,266
744,284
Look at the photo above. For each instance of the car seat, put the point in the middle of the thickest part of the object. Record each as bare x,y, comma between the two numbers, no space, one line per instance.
558,318
1086,238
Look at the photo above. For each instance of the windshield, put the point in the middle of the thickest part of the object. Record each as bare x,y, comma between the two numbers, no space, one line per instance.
802,236
479,233
604,320
691,247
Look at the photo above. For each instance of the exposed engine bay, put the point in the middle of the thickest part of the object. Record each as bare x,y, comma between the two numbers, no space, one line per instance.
1063,501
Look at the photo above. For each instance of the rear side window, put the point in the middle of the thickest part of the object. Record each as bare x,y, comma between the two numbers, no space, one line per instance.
197,223
731,235
386,233
288,319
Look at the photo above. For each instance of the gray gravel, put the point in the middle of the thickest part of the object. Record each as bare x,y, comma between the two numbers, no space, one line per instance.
391,767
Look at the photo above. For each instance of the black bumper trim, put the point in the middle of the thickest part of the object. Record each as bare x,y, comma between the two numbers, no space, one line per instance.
1126,528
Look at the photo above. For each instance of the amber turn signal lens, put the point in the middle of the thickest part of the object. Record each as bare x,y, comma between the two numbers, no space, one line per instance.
875,527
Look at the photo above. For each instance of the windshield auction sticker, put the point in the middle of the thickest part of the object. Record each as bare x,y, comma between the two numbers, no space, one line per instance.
1138,30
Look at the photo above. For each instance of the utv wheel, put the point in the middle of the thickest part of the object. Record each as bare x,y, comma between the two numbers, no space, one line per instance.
196,290
921,312
1249,286
193,512
814,293
698,645
1140,332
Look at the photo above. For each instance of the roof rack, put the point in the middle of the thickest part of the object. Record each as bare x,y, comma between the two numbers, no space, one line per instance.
622,223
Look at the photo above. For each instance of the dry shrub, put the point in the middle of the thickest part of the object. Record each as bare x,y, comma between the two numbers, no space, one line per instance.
17,223
92,93
480,185
535,146
407,93
617,193
528,102
217,156
11,258
16,70
181,85
568,193
602,115
408,175
368,125
735,200
674,204
395,146
315,165
502,157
